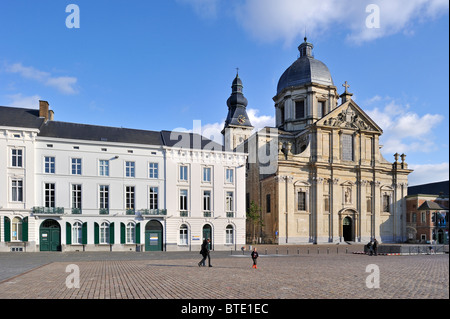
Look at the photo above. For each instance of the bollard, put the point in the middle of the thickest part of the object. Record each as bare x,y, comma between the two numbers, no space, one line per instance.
266,251
308,251
337,250
277,251
346,250
298,251
287,251
317,251
328,251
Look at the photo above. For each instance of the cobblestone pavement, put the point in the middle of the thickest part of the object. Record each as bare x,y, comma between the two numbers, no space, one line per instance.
177,276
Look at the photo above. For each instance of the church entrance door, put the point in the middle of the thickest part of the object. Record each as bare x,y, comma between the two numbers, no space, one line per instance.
347,229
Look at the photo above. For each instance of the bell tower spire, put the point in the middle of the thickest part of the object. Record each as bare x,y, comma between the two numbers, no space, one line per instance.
237,124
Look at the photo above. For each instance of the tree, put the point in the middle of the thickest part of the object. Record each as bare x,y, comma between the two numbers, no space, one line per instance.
254,218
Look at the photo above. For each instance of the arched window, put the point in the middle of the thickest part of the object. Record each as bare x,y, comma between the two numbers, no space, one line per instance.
183,235
77,233
229,235
16,229
104,233
131,230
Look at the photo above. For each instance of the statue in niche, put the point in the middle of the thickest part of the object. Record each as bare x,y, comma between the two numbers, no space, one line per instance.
348,195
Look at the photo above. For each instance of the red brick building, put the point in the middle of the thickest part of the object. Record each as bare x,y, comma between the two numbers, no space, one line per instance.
427,218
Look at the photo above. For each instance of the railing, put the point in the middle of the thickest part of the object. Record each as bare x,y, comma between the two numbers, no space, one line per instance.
76,211
184,213
154,212
230,214
206,214
103,211
48,210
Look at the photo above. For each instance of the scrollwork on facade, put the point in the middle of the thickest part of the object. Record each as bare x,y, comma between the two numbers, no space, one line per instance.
348,119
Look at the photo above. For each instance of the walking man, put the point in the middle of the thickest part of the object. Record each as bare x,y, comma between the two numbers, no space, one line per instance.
205,253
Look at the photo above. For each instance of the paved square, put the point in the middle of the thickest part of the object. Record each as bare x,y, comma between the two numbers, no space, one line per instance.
303,276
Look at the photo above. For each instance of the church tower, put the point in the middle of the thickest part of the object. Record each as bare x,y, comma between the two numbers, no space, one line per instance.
237,127
305,92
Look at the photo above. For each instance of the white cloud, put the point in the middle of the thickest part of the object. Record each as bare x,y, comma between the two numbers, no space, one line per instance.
64,84
287,20
28,102
403,130
260,122
428,173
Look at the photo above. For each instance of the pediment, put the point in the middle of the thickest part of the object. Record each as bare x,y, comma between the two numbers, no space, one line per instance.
349,115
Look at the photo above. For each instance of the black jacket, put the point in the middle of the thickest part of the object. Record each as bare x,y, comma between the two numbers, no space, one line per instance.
205,248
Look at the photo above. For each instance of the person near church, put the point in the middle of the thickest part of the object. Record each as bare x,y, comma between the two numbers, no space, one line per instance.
255,256
205,253
370,248
375,247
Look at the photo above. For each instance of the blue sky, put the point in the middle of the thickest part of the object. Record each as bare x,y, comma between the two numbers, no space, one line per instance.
161,64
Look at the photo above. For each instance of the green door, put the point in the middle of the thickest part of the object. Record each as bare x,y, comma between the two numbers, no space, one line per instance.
207,234
50,236
153,236
44,243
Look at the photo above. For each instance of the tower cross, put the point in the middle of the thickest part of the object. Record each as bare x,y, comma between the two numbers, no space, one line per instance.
346,86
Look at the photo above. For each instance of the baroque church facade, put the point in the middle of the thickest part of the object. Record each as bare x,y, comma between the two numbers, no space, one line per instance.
318,176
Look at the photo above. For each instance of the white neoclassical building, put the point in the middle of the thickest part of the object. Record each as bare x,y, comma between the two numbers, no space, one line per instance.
77,187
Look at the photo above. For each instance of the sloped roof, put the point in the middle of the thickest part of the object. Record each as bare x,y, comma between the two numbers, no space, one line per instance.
29,118
430,205
20,117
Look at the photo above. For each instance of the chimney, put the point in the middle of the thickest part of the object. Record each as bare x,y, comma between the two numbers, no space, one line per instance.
44,111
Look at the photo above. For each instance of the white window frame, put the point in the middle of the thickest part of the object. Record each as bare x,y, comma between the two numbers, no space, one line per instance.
130,169
153,197
153,170
76,192
183,235
229,175
229,235
183,200
103,197
183,173
16,226
207,201
50,195
49,164
103,167
104,233
17,157
130,197
206,174
77,233
76,166
130,233
229,202
17,190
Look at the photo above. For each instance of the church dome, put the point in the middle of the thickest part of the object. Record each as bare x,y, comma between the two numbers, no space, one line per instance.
305,70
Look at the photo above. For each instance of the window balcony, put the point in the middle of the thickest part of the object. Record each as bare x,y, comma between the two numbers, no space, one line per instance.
230,214
207,214
103,211
184,213
130,211
76,211
48,210
153,212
